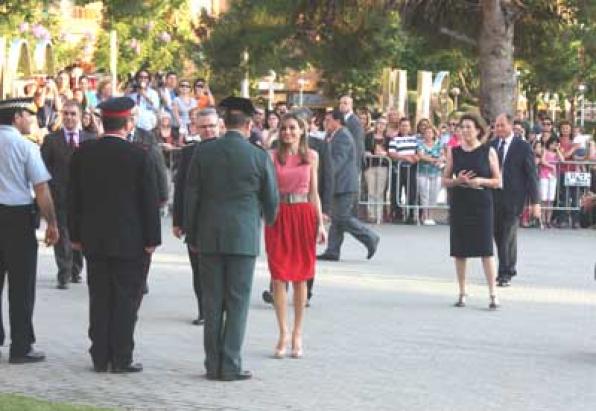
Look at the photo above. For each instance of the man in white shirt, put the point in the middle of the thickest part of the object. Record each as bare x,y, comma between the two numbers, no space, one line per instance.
146,99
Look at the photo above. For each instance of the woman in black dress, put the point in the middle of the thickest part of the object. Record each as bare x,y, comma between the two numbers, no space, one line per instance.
471,172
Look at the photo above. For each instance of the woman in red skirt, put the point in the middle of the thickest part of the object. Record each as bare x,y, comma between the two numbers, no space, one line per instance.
291,241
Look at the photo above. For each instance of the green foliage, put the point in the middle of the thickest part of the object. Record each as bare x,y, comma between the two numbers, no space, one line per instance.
260,28
349,46
32,21
155,34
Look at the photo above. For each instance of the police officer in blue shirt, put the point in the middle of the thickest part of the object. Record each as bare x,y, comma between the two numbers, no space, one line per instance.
21,169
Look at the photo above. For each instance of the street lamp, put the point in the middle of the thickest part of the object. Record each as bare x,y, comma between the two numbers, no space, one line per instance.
301,83
244,85
582,90
553,105
455,92
270,78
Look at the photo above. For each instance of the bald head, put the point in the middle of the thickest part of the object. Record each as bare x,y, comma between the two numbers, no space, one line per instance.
503,125
346,104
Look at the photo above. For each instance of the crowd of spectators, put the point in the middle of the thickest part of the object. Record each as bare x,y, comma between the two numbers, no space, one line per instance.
168,107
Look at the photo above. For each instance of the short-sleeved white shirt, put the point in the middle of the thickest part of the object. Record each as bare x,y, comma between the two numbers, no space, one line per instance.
21,167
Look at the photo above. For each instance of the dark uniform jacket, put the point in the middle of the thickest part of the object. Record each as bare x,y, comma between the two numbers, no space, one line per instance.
56,154
180,182
520,179
148,141
113,204
231,185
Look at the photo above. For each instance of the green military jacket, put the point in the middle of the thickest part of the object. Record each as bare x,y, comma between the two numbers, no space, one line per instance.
231,185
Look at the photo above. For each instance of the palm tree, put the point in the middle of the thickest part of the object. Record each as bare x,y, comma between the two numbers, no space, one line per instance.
488,25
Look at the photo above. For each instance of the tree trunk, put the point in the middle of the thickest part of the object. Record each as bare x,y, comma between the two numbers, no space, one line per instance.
497,73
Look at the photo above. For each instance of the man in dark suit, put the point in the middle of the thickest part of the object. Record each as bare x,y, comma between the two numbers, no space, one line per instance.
56,152
231,185
520,182
352,123
345,187
208,124
148,142
113,217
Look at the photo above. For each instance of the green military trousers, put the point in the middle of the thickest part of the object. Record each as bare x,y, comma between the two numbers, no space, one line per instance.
227,283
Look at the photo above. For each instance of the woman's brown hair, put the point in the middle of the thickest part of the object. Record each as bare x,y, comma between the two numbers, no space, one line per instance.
479,124
282,151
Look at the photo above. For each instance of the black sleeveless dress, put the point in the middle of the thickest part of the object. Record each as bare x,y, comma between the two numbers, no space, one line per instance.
471,215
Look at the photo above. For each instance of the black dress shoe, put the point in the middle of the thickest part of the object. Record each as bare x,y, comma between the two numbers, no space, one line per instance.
503,282
327,257
62,286
268,297
198,321
212,377
132,367
76,279
241,376
372,249
31,356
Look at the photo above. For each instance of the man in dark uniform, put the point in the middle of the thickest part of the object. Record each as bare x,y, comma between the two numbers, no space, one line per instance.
113,216
148,142
208,123
21,168
56,151
231,185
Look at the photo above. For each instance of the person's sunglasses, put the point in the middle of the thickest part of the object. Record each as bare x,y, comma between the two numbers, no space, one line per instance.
184,85
199,85
69,113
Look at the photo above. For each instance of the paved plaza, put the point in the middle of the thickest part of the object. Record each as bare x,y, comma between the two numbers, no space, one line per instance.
380,335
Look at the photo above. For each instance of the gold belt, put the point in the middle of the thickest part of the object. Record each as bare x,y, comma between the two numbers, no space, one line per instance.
293,198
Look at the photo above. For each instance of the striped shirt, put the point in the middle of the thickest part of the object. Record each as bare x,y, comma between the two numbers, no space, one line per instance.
404,146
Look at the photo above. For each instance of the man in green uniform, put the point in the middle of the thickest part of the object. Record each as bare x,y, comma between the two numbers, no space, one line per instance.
231,185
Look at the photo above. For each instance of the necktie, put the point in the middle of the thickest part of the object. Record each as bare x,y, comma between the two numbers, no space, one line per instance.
71,141
501,152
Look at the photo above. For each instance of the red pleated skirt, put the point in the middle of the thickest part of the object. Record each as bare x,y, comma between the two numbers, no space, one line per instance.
291,243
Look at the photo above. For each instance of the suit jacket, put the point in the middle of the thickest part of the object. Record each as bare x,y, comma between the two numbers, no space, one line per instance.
180,182
325,172
357,132
112,200
56,154
148,141
520,179
343,155
231,183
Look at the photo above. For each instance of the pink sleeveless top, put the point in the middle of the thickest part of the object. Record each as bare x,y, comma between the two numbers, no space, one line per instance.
293,177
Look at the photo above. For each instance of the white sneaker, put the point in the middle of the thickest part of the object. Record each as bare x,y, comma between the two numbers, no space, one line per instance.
429,222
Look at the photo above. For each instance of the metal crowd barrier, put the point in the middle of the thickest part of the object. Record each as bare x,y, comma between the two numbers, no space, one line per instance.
571,179
560,194
375,194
